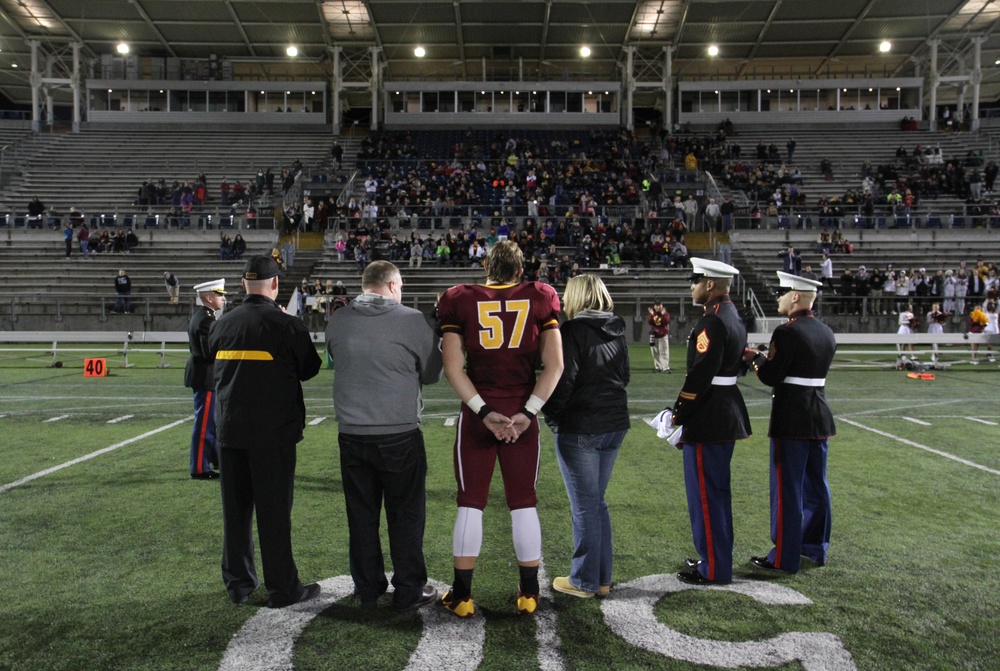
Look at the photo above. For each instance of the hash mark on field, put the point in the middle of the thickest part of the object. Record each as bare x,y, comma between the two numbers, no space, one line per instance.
971,419
316,421
54,419
911,443
917,421
120,419
450,421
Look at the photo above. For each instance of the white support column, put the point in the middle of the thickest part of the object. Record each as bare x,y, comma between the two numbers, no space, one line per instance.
49,117
35,78
668,88
375,85
336,84
933,80
629,88
75,85
959,116
976,79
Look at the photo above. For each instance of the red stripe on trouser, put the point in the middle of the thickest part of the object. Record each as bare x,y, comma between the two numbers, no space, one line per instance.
780,522
705,514
203,431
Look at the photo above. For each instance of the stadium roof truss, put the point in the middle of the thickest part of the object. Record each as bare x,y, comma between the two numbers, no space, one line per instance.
529,40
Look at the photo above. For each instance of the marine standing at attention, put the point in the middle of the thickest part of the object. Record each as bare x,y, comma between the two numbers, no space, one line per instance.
797,362
711,412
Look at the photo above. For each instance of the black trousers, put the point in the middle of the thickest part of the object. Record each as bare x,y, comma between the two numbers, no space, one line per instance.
394,468
259,479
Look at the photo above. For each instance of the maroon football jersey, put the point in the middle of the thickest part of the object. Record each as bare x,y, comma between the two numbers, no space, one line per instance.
500,326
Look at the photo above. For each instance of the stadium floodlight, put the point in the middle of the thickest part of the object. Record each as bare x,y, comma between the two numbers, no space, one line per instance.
585,51
419,52
885,47
292,51
122,48
713,50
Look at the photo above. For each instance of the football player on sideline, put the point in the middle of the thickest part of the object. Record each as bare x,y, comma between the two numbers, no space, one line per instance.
492,338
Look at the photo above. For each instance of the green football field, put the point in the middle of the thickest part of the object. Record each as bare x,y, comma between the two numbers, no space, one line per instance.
111,560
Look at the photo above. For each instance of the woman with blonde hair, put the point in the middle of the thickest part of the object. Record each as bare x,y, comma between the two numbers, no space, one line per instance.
588,412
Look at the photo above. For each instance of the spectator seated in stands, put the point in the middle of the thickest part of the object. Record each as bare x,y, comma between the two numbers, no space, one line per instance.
239,246
131,241
225,248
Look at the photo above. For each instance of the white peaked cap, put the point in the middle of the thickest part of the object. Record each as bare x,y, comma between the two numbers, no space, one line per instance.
709,268
789,281
218,286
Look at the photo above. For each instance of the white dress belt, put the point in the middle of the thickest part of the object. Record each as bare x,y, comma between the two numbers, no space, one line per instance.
720,381
806,381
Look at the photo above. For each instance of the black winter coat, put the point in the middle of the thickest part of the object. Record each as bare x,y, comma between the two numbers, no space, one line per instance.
590,397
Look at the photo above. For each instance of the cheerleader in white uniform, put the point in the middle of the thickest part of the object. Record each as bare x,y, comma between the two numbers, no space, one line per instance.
907,322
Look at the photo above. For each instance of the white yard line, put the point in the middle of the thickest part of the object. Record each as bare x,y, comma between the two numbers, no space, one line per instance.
916,421
316,421
47,471
885,434
981,421
120,419
547,626
54,419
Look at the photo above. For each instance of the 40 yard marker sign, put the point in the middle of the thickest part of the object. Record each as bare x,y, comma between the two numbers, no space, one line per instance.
267,640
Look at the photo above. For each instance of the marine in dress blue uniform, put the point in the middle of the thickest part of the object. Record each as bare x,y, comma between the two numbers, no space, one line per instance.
199,376
713,416
796,366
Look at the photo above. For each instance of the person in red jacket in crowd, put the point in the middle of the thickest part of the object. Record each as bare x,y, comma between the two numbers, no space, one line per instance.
659,329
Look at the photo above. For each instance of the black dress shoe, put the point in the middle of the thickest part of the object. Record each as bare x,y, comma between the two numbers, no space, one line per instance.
309,592
208,475
427,595
240,597
765,564
695,578
692,563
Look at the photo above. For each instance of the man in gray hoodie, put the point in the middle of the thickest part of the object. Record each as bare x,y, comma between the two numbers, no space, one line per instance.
382,353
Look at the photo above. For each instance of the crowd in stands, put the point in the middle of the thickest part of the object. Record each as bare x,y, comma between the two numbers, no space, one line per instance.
553,252
956,292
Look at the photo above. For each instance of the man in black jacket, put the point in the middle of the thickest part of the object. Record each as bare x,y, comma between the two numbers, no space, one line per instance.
796,366
261,357
198,375
711,410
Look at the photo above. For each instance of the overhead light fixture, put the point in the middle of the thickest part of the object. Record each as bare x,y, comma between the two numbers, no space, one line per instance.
585,52
122,48
109,91
885,47
419,52
292,51
713,50
14,65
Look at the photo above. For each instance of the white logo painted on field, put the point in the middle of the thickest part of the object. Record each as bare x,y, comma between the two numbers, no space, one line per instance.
628,612
267,640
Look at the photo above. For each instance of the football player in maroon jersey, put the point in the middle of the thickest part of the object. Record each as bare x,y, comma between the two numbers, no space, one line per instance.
493,337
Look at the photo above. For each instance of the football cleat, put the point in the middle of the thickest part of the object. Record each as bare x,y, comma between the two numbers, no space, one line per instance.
460,607
527,604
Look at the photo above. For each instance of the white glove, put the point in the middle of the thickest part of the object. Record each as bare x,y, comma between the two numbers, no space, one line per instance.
665,428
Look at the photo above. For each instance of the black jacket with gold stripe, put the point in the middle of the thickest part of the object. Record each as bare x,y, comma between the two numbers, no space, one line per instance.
261,357
710,406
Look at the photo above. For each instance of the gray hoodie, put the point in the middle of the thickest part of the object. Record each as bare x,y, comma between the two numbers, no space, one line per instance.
382,353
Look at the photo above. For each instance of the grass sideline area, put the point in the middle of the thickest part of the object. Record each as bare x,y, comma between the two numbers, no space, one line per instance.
113,563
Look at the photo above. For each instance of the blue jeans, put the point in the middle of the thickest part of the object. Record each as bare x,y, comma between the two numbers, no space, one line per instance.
586,461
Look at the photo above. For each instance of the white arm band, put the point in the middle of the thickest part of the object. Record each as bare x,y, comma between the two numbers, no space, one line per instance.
534,404
476,403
